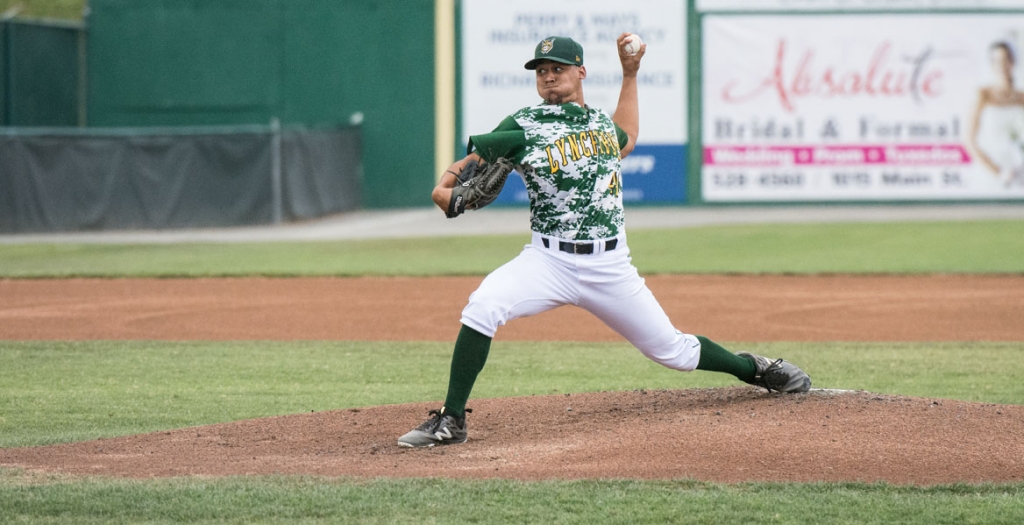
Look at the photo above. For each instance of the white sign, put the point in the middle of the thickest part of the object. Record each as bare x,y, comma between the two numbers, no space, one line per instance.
852,5
499,37
862,107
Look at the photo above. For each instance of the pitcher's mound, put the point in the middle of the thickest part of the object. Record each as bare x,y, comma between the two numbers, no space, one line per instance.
724,435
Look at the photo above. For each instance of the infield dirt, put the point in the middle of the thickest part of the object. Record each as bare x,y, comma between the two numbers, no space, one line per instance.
730,434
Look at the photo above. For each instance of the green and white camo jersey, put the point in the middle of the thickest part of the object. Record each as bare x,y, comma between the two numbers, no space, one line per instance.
568,157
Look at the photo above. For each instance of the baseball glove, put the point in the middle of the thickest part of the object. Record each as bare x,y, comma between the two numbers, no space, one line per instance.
478,185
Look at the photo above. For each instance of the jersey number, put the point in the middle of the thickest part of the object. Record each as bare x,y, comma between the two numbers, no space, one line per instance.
615,185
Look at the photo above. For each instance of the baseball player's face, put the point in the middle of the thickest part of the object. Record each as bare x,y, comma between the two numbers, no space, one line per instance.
560,83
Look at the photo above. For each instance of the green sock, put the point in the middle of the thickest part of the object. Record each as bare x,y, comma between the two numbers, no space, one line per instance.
471,349
714,358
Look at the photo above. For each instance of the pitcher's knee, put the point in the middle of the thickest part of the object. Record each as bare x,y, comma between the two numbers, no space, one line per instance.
677,351
484,317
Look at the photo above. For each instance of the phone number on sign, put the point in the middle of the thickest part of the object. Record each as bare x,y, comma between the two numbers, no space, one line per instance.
836,179
766,179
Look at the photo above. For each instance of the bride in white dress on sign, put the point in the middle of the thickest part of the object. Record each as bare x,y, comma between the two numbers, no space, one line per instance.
997,124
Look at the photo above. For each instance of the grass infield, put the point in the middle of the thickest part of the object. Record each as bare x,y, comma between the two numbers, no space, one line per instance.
41,499
906,247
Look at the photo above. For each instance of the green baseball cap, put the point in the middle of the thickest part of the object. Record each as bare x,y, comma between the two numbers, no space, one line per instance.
557,49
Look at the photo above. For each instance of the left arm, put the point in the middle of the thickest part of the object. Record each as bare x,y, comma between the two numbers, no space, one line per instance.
442,193
627,112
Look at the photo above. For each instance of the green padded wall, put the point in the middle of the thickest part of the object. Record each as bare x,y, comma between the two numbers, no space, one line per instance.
39,73
313,62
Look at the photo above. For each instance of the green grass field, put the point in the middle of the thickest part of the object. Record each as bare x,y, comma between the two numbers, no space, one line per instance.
56,9
939,247
67,391
39,499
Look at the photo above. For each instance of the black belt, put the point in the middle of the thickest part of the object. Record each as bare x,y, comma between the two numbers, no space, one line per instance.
581,248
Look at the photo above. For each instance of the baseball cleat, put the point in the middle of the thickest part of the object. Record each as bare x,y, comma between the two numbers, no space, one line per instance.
440,429
778,375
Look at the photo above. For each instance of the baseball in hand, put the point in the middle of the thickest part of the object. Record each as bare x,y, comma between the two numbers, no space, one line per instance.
633,44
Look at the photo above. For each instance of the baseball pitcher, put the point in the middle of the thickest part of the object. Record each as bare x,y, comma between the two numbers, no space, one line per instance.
569,156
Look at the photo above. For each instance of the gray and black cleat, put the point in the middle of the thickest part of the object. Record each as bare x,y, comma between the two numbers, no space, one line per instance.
440,429
778,375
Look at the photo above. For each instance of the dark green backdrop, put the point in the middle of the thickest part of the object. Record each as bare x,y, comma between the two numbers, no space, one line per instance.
39,73
196,62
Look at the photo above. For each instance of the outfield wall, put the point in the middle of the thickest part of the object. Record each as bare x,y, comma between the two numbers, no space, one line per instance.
310,62
741,100
41,73
76,179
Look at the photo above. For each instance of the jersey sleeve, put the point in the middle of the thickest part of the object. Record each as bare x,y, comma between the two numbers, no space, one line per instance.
623,137
507,140
509,124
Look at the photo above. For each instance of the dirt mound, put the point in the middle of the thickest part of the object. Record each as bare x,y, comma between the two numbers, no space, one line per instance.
725,435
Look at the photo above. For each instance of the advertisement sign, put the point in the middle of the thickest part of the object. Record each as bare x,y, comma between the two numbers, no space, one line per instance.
863,107
851,5
498,37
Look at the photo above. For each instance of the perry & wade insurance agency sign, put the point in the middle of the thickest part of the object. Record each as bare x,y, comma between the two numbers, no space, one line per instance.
863,107
498,37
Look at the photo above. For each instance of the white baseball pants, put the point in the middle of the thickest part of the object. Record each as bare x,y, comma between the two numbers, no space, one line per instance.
605,283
